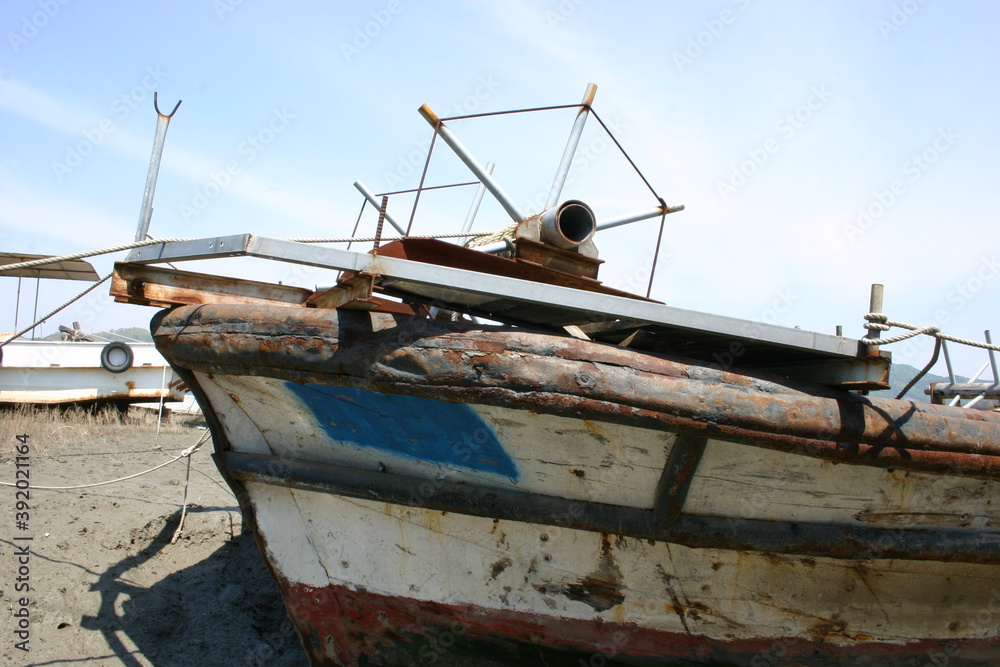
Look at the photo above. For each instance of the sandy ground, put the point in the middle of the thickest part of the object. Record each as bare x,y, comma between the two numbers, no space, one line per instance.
107,586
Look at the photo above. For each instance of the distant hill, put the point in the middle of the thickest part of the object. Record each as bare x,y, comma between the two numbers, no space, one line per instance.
126,334
901,374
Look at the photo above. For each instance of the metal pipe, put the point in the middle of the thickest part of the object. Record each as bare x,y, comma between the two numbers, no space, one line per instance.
956,401
574,139
947,361
993,359
980,372
146,212
463,154
370,196
639,215
568,226
477,200
17,306
875,306
965,390
493,248
975,400
34,315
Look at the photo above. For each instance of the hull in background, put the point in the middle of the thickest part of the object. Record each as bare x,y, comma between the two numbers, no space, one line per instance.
67,373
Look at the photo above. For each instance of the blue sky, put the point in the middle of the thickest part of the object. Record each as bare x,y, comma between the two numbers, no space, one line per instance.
818,146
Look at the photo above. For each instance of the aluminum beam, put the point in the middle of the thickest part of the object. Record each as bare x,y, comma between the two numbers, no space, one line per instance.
477,285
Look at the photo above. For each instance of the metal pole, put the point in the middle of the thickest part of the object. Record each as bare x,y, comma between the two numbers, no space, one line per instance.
571,144
146,212
639,215
974,378
463,154
17,306
499,246
947,361
874,306
34,314
159,413
370,196
993,359
476,201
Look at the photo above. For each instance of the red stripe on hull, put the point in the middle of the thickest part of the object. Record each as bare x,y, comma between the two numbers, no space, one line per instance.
347,627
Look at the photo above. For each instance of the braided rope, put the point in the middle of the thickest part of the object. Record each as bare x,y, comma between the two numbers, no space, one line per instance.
505,234
89,253
141,244
186,453
880,322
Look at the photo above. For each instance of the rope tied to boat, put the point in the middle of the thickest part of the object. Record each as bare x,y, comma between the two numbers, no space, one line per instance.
505,234
184,454
87,253
881,322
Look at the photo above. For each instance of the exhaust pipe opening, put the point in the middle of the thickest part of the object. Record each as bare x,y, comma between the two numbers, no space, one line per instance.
569,225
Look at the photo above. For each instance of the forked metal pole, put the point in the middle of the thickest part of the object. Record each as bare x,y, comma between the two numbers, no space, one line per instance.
574,139
146,212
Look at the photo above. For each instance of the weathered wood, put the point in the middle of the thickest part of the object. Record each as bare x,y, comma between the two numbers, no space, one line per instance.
154,286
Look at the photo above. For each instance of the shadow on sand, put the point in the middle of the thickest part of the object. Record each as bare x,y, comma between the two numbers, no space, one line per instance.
223,610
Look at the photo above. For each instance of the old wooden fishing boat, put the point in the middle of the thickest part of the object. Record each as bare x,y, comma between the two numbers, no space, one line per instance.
592,478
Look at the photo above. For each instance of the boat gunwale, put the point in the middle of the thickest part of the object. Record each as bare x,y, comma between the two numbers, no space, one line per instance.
189,345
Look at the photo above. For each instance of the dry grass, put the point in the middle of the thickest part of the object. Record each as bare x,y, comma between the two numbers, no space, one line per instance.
60,427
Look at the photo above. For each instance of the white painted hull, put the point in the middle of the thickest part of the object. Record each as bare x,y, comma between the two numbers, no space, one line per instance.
683,603
55,373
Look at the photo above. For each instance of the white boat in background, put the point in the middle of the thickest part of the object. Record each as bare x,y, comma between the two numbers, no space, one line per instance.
80,369
41,372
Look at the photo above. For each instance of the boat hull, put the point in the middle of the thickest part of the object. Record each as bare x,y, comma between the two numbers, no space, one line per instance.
432,492
71,372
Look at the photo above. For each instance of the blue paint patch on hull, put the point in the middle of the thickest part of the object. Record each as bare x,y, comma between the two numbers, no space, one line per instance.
450,434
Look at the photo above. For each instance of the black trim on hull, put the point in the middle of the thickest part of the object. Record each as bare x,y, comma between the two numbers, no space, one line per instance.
714,532
678,473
